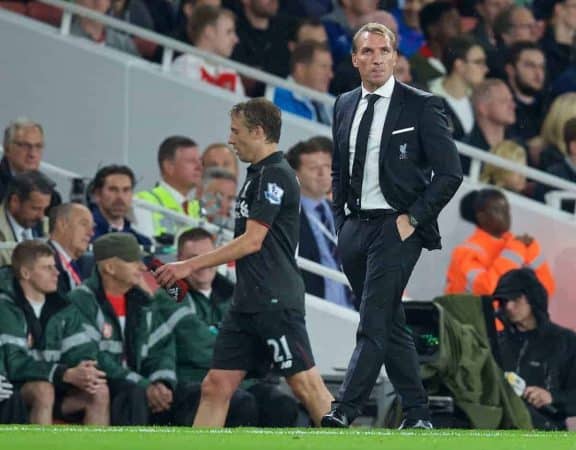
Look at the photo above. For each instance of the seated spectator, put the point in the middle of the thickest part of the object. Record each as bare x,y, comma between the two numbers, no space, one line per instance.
312,165
566,168
308,30
212,30
71,229
306,8
552,133
12,407
537,350
526,73
403,70
311,66
341,24
137,353
487,11
502,178
494,111
23,151
200,315
22,211
263,36
186,9
181,171
112,192
465,63
51,356
222,156
440,22
410,36
558,40
218,197
97,31
514,24
492,250
134,12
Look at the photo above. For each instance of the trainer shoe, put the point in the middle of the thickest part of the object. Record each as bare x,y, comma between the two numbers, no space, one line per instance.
415,424
335,419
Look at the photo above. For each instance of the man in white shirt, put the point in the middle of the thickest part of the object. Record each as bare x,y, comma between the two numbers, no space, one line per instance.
22,211
213,30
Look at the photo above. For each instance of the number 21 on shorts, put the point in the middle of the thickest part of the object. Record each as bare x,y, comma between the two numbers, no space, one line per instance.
281,352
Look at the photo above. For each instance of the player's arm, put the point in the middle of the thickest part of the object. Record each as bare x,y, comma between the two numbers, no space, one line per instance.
247,243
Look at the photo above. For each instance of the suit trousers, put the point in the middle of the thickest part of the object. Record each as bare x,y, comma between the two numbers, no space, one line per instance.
378,265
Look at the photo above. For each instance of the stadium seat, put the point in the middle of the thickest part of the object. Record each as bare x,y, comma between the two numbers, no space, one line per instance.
45,13
17,7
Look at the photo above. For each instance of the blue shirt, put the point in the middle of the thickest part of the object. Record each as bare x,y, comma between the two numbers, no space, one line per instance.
334,292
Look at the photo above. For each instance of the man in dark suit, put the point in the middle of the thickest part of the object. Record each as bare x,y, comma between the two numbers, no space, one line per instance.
71,230
394,168
312,163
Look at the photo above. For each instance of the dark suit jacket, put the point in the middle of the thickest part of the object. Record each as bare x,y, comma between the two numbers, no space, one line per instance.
308,248
84,264
405,177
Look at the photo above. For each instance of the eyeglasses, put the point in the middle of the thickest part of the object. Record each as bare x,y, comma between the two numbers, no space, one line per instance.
28,146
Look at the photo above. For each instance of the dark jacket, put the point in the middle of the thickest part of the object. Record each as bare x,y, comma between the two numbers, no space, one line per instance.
83,266
101,227
543,357
308,248
563,170
405,182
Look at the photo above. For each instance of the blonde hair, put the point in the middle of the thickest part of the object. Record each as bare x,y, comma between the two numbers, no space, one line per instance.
560,112
375,28
509,150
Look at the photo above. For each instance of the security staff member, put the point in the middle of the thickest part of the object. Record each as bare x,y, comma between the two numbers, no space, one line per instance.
265,324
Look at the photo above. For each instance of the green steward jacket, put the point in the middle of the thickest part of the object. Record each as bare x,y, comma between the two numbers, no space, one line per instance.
467,368
40,349
145,353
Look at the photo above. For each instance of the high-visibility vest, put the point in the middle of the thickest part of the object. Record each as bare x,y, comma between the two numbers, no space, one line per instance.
162,197
479,262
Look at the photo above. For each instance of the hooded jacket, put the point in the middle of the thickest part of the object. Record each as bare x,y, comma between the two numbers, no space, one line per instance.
543,357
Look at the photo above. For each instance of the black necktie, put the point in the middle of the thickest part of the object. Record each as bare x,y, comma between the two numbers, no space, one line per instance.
321,210
355,191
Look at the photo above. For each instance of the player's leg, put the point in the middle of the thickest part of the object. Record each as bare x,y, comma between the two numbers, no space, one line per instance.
310,389
289,346
234,355
217,389
39,397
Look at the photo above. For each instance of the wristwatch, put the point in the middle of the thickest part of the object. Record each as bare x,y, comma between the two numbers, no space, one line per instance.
413,221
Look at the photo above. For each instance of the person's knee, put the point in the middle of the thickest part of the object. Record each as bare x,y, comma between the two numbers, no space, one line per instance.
40,394
217,386
100,399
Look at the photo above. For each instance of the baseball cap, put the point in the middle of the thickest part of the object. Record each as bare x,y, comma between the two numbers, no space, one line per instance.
117,244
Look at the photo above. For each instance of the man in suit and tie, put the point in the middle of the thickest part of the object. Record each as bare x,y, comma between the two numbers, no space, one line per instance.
394,168
22,211
71,230
312,164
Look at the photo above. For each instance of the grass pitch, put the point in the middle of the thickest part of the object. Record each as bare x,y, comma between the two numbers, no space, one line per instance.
86,438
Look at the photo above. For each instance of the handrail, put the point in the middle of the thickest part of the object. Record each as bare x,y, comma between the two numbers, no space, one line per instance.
171,44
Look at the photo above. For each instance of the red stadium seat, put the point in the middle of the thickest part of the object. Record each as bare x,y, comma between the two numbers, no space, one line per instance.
17,7
45,13
146,48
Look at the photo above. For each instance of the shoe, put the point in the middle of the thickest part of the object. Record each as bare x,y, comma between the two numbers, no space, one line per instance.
415,424
335,419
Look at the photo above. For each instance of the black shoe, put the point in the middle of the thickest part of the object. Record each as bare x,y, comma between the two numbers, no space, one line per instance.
335,419
416,424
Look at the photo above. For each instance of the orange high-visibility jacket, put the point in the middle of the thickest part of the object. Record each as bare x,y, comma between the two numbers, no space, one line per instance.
479,262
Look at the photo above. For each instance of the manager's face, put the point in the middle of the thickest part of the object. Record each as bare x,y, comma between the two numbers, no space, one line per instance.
375,58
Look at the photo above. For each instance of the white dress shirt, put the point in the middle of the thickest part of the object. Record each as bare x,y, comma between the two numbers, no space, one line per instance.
21,234
66,262
372,196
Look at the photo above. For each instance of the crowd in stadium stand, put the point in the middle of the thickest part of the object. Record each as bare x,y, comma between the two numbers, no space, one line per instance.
86,336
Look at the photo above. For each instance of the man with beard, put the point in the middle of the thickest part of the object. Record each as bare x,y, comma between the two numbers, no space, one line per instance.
526,71
112,191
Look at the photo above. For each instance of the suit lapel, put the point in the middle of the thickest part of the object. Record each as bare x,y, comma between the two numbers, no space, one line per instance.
348,112
394,109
